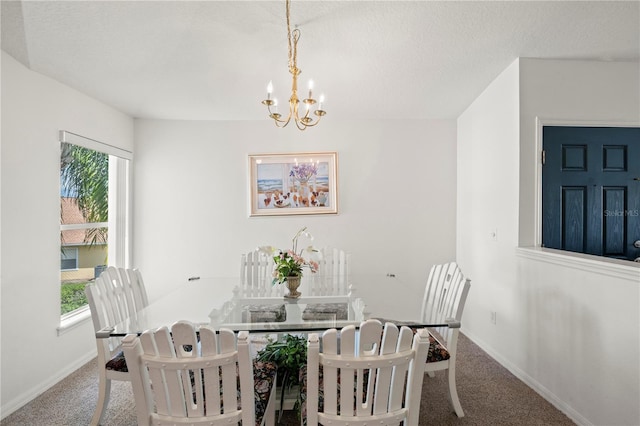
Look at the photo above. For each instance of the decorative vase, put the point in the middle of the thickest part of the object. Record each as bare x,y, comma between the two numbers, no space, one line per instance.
303,191
292,283
322,199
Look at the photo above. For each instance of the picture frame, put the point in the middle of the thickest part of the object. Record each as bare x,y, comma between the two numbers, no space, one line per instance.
293,184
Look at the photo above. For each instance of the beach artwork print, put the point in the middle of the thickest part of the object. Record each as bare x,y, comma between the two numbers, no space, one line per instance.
284,184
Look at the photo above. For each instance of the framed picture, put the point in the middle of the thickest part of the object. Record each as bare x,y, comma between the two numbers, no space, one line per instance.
288,184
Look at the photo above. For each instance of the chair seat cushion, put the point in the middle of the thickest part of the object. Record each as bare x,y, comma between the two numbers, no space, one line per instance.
264,375
117,363
264,313
437,352
324,311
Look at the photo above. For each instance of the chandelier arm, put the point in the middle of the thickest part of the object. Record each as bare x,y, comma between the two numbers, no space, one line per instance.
283,122
301,124
276,117
312,124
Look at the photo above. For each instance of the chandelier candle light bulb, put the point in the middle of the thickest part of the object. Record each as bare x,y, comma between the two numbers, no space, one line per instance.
269,90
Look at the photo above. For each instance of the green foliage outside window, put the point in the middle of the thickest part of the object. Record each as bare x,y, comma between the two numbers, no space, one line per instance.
72,297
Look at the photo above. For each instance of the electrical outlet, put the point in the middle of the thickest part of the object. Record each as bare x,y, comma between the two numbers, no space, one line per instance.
493,317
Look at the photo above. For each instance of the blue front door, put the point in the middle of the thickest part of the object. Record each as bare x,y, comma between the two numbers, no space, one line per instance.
591,190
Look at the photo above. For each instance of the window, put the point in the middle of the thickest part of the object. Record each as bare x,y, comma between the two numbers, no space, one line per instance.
68,258
94,213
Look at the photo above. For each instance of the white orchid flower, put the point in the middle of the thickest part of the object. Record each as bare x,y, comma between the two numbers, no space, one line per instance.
310,250
268,250
301,233
317,254
307,234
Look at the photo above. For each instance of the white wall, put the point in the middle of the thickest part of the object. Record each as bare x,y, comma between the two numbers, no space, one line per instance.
396,200
569,326
34,109
488,203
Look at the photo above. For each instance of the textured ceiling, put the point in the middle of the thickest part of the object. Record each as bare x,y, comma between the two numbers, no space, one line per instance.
212,60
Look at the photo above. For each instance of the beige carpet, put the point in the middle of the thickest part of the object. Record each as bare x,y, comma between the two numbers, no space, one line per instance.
489,394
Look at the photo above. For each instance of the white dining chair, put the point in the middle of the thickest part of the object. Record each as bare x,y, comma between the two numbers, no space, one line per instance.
443,303
185,375
371,376
114,296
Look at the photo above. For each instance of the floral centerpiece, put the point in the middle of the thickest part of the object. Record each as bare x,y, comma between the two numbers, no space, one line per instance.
288,264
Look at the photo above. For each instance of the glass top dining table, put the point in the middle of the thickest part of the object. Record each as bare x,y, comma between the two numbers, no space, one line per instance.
223,303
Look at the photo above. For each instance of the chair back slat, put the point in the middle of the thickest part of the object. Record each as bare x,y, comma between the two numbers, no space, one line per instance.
384,375
330,346
128,291
399,374
117,293
139,287
98,304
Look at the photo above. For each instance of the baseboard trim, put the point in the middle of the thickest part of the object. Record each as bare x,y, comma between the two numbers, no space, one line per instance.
24,398
531,382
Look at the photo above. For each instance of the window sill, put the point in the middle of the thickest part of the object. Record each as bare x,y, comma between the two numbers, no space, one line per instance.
584,262
74,319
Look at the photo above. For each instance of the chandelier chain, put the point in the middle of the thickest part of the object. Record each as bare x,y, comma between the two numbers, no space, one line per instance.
292,40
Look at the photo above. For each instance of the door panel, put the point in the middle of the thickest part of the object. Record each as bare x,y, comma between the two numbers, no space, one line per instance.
573,218
615,200
591,190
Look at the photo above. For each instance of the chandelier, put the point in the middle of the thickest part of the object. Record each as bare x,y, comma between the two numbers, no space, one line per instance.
306,120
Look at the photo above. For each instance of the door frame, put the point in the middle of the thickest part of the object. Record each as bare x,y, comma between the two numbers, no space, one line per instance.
540,123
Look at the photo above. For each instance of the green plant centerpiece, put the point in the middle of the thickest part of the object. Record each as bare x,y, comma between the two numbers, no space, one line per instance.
289,264
290,355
